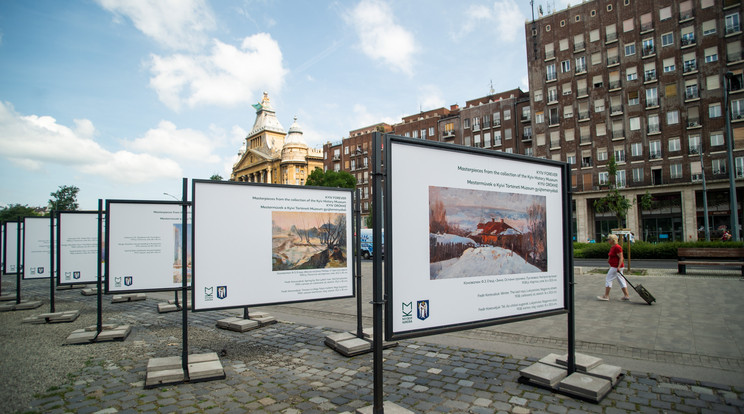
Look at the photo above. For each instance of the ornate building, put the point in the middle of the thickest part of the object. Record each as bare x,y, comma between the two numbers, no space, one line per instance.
271,155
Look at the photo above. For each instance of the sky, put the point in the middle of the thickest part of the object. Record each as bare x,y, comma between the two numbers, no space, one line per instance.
125,98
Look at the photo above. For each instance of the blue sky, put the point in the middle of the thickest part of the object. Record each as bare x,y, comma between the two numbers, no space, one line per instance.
124,98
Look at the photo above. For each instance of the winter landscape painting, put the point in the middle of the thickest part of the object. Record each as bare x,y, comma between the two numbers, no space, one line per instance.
484,233
308,240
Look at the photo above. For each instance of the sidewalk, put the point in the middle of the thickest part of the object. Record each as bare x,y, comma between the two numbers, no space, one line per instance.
683,354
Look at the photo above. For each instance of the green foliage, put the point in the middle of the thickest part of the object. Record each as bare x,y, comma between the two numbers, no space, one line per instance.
13,211
645,250
368,219
340,179
64,199
216,177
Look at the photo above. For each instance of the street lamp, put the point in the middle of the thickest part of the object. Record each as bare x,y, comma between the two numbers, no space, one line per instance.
174,197
705,196
733,204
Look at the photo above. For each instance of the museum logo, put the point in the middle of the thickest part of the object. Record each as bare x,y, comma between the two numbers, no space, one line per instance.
40,270
117,282
221,292
422,309
75,275
208,293
407,309
128,280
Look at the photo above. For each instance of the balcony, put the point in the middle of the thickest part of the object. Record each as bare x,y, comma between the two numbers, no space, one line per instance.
553,120
616,109
578,47
688,40
618,133
694,150
654,155
585,139
524,118
527,137
685,15
653,129
551,77
580,69
733,29
497,124
691,94
448,134
550,55
583,115
693,123
611,37
555,144
734,57
648,51
647,27
649,76
586,163
615,84
336,158
582,92
719,171
476,127
612,60
652,102
690,66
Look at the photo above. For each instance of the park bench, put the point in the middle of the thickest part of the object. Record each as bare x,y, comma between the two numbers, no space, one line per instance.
706,256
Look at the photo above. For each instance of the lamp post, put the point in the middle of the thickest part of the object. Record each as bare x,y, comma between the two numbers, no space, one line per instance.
733,204
705,196
174,197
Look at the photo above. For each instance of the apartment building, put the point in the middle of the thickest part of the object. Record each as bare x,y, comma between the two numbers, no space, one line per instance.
643,82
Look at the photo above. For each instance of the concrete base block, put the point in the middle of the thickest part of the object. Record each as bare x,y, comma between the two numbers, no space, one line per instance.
68,287
90,334
170,306
585,386
89,292
5,298
262,318
56,317
169,370
545,375
130,297
348,344
583,362
333,339
238,324
611,373
387,407
24,305
551,359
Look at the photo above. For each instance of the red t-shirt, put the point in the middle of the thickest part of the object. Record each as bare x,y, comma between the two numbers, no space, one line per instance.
614,258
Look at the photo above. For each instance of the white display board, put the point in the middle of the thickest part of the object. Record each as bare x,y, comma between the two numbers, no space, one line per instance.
266,244
475,238
10,248
143,246
37,247
77,247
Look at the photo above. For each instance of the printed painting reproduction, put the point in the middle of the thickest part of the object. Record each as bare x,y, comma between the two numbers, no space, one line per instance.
307,240
178,253
483,233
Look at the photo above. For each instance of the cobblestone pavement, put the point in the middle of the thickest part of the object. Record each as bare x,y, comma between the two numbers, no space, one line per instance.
286,368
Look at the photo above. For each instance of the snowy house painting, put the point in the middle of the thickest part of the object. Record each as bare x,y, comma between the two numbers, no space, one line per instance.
481,233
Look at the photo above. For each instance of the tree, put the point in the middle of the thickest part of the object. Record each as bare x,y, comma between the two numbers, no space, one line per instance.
216,177
65,198
368,219
613,202
13,211
335,179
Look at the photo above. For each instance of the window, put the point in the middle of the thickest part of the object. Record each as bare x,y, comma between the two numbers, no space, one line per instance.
733,51
346,150
602,178
599,105
635,123
665,13
423,134
539,117
675,171
466,123
689,62
628,25
528,151
649,72
619,155
667,39
712,82
691,89
476,125
525,113
581,64
620,179
578,41
732,23
596,59
601,129
669,65
654,149
714,110
507,134
709,27
638,175
674,144
711,54
497,115
636,149
551,74
553,118
631,73
565,66
693,144
648,46
653,123
719,166
633,98
507,114
646,23
431,131
672,117
602,154
688,36
594,35
739,165
737,109
568,111
571,159
670,89
652,97
415,132
610,32
630,49
716,139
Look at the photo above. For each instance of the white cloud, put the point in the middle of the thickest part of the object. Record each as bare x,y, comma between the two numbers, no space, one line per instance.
185,144
226,77
175,24
32,142
364,118
504,16
430,97
380,37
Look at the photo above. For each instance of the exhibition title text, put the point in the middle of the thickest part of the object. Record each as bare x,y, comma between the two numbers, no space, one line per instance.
539,181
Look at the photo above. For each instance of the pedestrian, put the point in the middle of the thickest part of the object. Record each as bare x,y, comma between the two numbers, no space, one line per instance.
616,262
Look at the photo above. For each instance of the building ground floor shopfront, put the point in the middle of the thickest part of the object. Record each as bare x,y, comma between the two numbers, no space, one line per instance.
677,213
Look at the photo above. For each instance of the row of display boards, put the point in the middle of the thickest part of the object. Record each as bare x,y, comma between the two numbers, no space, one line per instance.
473,238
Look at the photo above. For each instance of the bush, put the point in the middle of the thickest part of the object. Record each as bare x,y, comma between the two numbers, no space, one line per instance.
645,250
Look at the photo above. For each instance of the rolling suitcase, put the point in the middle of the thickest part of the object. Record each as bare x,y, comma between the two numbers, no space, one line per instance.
641,291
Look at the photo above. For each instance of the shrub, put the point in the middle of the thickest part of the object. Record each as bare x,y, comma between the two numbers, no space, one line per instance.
645,250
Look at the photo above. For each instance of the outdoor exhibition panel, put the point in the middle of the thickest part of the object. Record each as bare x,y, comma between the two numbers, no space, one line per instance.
474,238
37,247
10,248
258,244
143,248
77,250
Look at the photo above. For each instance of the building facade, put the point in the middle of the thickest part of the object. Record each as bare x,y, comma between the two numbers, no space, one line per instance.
271,155
643,82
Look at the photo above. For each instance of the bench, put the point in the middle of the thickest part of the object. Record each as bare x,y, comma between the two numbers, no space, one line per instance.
707,256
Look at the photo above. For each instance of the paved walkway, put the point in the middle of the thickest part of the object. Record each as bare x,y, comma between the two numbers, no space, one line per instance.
683,354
